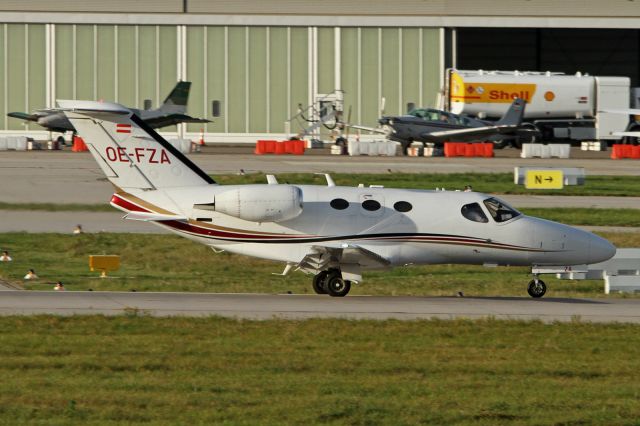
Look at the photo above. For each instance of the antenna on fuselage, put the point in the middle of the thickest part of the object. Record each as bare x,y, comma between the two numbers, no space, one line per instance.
328,177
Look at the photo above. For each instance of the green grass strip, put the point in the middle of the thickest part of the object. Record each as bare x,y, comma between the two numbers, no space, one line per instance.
94,370
173,263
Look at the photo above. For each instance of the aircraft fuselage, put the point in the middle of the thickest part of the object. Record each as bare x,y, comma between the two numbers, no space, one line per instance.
434,229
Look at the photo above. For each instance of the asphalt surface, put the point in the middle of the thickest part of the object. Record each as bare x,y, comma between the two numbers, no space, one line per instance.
65,222
262,307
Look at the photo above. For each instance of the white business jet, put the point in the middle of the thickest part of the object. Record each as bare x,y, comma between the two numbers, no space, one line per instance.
332,232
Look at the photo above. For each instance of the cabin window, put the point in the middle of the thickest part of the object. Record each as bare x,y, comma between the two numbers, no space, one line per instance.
371,205
474,213
339,204
403,206
500,211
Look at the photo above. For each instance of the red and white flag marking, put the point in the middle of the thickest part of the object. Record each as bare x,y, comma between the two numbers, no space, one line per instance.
123,128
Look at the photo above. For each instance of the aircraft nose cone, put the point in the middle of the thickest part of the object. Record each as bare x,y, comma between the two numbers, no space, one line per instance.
600,249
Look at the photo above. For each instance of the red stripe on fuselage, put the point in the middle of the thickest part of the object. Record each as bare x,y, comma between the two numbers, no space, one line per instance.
187,227
127,205
214,233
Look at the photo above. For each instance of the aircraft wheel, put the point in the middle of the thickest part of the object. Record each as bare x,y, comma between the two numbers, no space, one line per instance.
405,146
536,288
338,287
319,282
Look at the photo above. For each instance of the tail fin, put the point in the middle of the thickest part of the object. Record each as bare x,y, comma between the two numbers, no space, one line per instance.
130,153
177,100
514,114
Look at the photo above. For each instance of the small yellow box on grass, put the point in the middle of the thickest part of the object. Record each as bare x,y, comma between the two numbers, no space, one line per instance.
104,263
544,179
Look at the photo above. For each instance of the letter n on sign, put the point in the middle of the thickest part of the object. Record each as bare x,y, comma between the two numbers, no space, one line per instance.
544,179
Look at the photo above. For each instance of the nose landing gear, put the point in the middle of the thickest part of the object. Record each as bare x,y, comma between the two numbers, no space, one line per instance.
536,288
331,282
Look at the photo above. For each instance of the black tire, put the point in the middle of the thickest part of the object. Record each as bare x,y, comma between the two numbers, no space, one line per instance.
536,290
337,287
631,140
320,282
501,144
405,146
530,138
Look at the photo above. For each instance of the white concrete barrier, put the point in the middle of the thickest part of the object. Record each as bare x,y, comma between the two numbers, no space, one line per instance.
182,145
373,148
621,283
620,273
17,143
531,150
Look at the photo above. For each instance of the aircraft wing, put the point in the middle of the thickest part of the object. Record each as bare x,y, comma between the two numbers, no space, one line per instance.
367,129
24,116
323,255
471,133
632,134
171,119
154,217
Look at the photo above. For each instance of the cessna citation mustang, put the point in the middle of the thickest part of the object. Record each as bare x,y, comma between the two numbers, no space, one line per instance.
332,232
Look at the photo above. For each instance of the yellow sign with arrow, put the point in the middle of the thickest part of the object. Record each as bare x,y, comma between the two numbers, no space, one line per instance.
544,179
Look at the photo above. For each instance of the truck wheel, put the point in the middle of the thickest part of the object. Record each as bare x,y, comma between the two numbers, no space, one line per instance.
631,140
532,136
501,144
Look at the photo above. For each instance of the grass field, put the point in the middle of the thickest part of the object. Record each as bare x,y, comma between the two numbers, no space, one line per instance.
92,370
172,263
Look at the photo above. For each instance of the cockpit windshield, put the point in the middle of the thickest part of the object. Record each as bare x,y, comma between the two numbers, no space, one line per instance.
431,114
499,210
474,213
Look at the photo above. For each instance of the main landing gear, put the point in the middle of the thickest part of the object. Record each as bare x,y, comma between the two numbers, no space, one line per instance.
537,288
331,282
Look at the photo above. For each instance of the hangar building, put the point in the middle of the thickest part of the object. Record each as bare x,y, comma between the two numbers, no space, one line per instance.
262,58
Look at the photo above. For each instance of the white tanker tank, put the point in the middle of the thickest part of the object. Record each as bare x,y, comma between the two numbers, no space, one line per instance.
559,105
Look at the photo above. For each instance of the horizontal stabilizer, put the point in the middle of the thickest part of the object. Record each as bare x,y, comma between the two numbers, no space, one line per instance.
24,116
631,134
154,217
628,111
368,129
172,119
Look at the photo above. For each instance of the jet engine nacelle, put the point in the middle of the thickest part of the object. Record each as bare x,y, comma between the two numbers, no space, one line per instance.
261,203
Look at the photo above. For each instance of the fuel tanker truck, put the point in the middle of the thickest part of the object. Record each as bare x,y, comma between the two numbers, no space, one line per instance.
560,107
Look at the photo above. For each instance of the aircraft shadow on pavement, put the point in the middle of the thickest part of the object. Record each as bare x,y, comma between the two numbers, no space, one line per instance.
541,300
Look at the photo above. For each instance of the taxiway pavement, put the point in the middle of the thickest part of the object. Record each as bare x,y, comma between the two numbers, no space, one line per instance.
262,306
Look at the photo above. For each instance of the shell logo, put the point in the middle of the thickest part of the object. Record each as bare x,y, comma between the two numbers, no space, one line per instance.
549,96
